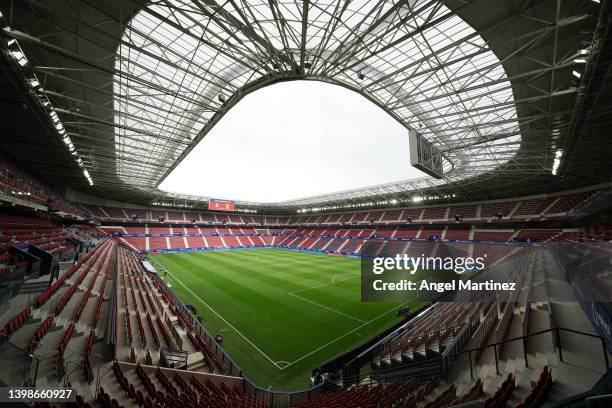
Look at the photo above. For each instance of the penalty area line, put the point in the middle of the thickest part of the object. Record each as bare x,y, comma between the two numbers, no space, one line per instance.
226,322
326,307
341,337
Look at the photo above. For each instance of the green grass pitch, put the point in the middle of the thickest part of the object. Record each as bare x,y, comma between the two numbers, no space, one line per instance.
281,313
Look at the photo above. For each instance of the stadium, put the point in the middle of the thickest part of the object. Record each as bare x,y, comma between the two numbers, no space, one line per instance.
335,203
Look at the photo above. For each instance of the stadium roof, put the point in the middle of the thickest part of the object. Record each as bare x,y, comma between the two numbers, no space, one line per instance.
138,84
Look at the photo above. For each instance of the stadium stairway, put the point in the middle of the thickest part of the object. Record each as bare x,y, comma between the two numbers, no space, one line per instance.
34,286
582,355
133,300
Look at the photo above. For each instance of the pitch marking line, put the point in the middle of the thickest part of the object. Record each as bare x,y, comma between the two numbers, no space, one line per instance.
226,322
324,284
325,307
341,337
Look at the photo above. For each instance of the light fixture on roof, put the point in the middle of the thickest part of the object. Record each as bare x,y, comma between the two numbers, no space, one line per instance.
221,98
557,162
88,177
307,65
54,116
360,76
33,82
16,53
580,60
576,74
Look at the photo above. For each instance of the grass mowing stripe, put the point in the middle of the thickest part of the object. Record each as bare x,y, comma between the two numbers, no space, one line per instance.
279,276
270,297
226,322
232,270
240,313
279,280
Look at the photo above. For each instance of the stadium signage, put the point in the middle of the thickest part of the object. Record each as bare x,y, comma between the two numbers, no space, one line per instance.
221,205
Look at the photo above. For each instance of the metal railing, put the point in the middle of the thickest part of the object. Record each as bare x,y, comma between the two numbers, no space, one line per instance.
556,331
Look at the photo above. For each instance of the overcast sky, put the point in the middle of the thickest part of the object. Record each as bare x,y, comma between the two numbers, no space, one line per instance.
293,140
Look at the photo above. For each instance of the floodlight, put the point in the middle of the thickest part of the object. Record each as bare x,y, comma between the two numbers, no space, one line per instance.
19,57
556,162
33,82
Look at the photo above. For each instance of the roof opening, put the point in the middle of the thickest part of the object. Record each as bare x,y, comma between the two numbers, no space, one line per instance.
293,140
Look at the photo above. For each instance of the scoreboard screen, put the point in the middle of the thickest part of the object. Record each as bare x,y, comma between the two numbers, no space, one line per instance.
424,155
218,205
